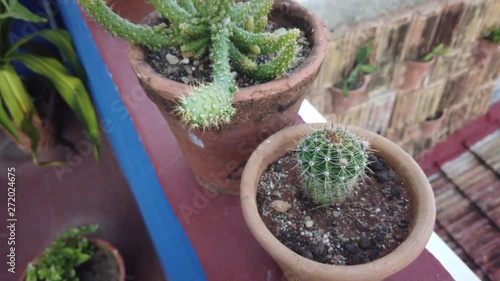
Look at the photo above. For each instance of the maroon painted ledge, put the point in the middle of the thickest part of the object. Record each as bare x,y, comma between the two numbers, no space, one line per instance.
214,225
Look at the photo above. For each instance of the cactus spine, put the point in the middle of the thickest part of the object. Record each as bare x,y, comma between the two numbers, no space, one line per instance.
332,162
231,32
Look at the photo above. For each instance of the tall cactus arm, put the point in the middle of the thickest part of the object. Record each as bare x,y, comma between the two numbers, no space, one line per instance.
150,37
267,42
254,8
210,106
171,10
241,62
188,6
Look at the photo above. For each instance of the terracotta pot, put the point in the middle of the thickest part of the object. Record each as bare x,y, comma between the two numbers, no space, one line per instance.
101,244
217,157
429,128
298,268
417,74
342,104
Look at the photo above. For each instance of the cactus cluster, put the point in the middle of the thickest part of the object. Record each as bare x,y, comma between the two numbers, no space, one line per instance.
232,33
332,162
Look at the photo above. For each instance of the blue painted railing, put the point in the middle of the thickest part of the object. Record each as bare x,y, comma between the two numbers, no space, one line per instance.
177,256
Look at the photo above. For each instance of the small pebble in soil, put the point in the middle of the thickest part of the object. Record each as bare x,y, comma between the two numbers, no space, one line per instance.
364,243
280,206
278,168
172,59
319,249
351,248
307,254
185,61
309,224
382,177
376,164
336,213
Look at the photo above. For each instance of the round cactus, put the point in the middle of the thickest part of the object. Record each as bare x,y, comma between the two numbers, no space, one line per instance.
332,162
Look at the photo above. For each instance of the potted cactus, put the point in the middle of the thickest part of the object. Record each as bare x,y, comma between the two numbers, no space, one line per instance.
352,91
418,71
244,78
336,203
74,256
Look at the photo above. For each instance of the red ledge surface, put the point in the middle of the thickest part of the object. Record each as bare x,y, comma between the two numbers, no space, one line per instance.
214,225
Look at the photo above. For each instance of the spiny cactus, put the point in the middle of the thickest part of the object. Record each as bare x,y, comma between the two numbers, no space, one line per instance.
231,32
332,162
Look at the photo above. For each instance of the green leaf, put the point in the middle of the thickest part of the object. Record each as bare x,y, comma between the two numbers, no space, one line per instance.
18,103
61,39
31,273
71,89
345,90
6,123
18,11
364,52
368,68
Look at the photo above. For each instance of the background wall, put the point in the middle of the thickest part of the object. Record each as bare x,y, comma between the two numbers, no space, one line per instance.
458,85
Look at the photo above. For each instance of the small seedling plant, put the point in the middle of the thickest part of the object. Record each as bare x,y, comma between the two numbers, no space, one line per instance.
439,50
60,260
18,115
494,35
361,67
333,161
233,34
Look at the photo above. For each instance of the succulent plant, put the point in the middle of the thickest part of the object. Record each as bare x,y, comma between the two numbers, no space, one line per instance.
333,161
232,33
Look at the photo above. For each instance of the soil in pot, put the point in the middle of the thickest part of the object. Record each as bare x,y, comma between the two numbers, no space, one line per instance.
368,225
184,68
103,266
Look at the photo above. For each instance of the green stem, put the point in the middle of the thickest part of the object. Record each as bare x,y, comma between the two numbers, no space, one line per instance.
151,37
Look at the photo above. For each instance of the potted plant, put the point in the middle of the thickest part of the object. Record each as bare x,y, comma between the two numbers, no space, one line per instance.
336,203
352,91
488,46
244,78
418,71
74,256
29,117
432,124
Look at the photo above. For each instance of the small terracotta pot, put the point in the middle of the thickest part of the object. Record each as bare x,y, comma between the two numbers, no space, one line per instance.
298,268
430,127
101,244
342,104
417,74
217,157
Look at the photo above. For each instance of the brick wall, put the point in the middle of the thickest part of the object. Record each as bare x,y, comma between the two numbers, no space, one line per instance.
459,86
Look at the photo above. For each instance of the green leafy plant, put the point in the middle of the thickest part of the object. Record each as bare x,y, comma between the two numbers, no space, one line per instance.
18,114
494,35
233,35
437,51
60,260
333,161
361,67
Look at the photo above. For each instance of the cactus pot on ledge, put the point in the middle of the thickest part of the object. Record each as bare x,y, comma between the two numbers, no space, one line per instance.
313,197
219,123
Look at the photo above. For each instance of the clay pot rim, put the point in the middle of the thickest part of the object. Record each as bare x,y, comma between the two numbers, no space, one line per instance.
320,35
99,243
424,208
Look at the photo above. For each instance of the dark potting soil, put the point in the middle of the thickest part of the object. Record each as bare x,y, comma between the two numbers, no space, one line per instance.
101,267
368,225
184,68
